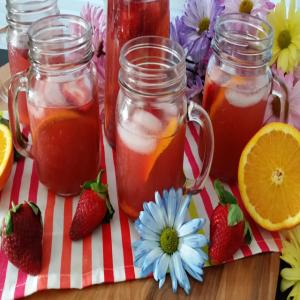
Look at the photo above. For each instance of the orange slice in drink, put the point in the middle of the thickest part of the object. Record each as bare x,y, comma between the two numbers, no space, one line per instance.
219,101
6,154
164,141
51,119
269,176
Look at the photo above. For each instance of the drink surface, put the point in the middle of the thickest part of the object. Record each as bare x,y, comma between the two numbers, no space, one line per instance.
126,20
236,106
65,134
149,156
18,62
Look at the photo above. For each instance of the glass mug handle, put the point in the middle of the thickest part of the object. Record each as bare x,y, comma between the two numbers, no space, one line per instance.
18,83
3,83
197,114
280,104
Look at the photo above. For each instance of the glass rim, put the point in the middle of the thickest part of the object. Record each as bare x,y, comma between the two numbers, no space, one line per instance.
24,3
267,28
36,27
148,41
17,10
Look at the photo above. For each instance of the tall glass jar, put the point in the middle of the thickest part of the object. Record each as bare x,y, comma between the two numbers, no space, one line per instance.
61,91
20,15
237,86
127,19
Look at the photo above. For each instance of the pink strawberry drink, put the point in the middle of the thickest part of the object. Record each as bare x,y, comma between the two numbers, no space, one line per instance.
65,133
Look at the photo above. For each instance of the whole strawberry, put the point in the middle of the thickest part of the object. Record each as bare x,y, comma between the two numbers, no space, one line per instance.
93,209
22,234
228,228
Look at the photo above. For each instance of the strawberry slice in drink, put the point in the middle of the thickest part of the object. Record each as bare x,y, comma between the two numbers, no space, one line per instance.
77,93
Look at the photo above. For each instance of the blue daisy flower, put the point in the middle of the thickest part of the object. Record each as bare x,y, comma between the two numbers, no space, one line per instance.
168,242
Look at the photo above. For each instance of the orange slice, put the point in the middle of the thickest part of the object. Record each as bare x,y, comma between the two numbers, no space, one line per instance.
6,154
219,100
51,118
269,176
164,141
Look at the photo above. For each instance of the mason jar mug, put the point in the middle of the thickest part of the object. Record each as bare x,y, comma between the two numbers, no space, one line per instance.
151,118
60,88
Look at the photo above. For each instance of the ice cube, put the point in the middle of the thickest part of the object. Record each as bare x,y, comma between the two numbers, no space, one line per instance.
35,111
53,94
169,109
219,76
135,139
46,93
147,121
240,98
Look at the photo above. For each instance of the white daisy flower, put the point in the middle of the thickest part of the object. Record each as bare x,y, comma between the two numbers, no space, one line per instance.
168,242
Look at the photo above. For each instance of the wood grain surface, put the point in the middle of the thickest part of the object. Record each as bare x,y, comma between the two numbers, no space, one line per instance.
252,278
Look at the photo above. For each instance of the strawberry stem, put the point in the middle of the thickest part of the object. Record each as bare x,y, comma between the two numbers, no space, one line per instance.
99,177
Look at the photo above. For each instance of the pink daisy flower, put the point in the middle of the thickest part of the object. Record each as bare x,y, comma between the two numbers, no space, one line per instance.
96,17
257,8
297,73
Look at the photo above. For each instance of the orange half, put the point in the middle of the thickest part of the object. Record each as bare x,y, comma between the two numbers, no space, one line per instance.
6,154
269,176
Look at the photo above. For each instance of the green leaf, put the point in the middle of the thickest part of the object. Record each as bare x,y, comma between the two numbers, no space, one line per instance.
17,155
99,188
225,197
4,121
235,215
15,208
247,233
34,207
87,185
96,185
8,223
110,211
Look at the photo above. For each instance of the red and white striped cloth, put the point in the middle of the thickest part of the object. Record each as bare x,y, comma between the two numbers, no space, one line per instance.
105,256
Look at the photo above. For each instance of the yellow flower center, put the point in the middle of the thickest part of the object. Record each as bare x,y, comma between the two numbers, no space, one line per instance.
284,39
246,6
203,25
169,240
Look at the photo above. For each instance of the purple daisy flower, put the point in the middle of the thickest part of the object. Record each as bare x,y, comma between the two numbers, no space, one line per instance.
177,31
194,87
199,20
96,17
257,8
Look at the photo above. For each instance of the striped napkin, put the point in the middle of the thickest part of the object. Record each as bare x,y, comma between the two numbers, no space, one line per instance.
105,256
